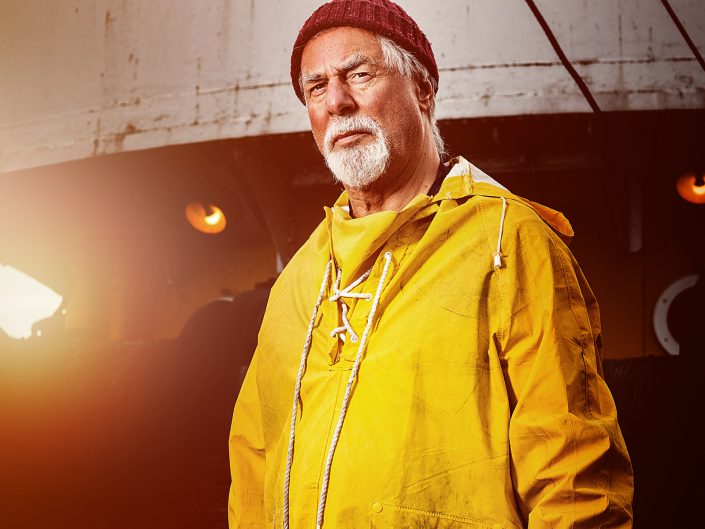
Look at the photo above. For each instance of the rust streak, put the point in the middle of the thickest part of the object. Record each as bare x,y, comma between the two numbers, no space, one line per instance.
108,21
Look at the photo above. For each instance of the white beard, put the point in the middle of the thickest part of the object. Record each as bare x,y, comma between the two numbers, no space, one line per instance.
357,166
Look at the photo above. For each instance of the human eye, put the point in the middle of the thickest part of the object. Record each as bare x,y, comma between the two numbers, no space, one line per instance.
316,89
359,76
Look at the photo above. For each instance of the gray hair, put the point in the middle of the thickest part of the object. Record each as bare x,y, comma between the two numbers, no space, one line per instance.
400,60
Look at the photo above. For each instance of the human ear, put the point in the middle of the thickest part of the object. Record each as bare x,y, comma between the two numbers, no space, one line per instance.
424,95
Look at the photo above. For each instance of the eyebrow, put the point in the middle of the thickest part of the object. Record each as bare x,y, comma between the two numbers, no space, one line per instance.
348,64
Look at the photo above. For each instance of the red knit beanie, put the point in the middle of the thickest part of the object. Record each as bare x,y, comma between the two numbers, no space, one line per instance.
378,16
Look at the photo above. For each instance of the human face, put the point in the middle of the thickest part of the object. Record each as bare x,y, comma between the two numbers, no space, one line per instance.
357,108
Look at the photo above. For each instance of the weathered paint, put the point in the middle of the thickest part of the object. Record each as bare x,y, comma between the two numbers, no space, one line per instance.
82,78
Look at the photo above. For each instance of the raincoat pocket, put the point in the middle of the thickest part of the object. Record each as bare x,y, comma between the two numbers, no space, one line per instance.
388,516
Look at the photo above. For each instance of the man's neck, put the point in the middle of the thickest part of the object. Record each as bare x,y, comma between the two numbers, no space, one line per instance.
393,191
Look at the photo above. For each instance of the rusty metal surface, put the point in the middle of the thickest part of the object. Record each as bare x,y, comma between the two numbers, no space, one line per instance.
83,78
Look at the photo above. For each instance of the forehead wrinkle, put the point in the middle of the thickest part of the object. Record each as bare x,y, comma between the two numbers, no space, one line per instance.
356,59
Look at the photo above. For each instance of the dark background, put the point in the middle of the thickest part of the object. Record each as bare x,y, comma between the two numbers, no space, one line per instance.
118,414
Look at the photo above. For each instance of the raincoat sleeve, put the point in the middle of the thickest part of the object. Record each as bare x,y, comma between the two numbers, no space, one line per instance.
570,466
246,448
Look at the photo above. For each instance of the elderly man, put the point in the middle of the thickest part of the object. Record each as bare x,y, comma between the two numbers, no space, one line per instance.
429,357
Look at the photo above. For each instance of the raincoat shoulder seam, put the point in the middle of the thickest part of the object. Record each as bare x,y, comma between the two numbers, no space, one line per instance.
570,294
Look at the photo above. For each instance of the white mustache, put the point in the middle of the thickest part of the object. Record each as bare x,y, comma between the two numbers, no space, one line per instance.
350,124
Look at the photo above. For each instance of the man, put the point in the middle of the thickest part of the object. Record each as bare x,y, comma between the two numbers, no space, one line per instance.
429,357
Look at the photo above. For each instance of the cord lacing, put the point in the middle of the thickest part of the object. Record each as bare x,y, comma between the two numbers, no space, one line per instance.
337,295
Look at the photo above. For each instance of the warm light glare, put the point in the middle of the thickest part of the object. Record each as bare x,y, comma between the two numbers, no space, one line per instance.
689,189
206,218
23,302
214,218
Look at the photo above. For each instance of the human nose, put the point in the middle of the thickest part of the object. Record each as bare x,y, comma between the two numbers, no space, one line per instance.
339,101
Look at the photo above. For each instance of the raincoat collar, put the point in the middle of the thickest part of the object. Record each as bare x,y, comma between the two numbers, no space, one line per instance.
466,180
354,243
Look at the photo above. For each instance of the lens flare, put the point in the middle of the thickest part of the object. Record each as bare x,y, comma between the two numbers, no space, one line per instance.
23,302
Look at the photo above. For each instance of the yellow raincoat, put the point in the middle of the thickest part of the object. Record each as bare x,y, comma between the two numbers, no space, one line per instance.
479,400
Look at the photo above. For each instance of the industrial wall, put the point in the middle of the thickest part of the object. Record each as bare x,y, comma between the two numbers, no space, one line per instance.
81,77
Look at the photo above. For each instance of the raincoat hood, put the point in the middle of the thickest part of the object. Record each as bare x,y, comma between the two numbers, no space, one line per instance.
354,241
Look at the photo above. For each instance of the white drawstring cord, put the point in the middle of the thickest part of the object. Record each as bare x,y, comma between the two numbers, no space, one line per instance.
346,326
337,293
338,296
348,391
297,394
497,254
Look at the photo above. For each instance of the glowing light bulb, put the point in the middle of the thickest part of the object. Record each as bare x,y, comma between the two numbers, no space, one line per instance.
214,219
206,218
689,189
